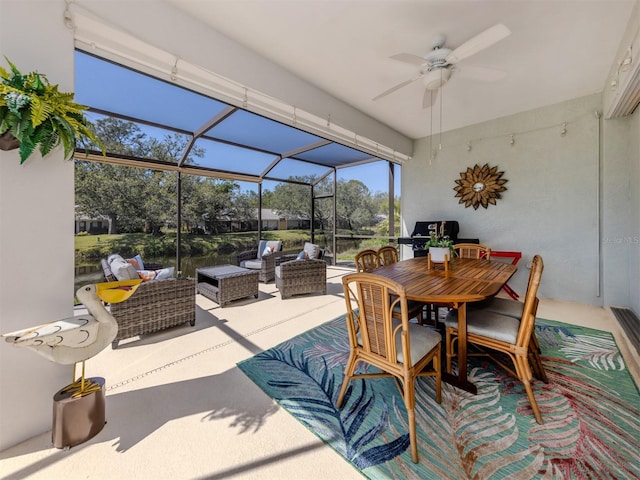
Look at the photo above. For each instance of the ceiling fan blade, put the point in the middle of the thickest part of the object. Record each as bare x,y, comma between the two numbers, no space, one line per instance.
482,74
397,87
410,58
429,98
479,42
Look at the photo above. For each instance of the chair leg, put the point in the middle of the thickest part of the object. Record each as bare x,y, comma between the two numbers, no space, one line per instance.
534,341
536,364
437,367
410,403
450,353
348,373
524,373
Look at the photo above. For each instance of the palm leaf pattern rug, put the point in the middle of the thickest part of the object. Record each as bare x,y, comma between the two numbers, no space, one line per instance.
591,409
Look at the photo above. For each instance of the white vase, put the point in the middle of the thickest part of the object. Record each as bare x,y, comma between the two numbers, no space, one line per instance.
438,254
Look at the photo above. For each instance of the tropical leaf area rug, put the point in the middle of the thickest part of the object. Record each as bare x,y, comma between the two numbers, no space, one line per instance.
591,409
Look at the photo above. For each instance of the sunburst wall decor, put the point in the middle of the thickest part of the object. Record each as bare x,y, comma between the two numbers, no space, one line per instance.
480,186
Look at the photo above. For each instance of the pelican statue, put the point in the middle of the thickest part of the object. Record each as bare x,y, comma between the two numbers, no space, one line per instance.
76,339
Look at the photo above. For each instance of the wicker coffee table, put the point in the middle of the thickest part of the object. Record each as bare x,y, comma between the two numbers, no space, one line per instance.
225,283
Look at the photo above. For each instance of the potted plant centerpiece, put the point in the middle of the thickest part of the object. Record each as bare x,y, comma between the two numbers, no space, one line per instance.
33,113
439,245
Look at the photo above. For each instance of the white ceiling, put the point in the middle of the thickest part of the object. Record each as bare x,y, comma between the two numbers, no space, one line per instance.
558,50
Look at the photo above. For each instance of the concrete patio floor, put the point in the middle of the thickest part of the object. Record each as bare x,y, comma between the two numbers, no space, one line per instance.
179,408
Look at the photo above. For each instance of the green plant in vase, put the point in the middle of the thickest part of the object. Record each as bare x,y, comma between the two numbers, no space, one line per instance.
35,114
438,239
439,244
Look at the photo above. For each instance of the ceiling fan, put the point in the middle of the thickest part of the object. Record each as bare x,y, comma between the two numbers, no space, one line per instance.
437,66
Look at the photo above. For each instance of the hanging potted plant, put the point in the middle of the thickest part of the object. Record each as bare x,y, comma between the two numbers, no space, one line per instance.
33,113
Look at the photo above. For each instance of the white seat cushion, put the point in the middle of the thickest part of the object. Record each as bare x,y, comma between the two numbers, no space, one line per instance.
253,264
311,249
487,324
504,306
423,340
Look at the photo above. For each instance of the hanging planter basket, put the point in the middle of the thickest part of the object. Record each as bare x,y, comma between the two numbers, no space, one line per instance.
40,116
8,142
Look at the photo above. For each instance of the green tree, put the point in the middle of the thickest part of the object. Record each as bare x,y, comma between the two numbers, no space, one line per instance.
355,206
210,205
293,199
382,228
132,199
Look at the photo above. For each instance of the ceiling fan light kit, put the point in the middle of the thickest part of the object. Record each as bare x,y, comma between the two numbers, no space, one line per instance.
436,67
435,78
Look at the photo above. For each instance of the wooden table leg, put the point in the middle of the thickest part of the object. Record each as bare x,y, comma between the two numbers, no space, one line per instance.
461,380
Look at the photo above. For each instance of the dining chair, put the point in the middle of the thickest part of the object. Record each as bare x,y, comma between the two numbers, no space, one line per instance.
387,255
506,334
513,308
472,250
367,260
400,349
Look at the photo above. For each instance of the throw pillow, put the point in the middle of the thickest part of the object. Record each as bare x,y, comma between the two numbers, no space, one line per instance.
137,262
311,249
164,273
122,269
149,275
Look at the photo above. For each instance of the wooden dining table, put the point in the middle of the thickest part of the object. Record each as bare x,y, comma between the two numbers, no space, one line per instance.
464,281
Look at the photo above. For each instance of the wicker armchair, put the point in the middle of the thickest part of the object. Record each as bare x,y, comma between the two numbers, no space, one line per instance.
265,265
294,277
156,305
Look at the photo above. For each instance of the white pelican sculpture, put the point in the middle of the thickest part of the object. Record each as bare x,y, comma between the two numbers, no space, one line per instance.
76,339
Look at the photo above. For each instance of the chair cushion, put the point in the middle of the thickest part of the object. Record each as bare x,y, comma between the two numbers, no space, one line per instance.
423,340
253,264
504,306
487,324
121,269
312,250
262,244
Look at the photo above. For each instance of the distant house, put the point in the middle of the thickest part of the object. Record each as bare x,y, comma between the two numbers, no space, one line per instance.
85,223
271,220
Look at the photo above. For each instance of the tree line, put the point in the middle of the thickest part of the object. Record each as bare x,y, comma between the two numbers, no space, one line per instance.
139,199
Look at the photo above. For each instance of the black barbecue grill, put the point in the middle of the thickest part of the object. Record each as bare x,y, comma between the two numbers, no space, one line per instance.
422,230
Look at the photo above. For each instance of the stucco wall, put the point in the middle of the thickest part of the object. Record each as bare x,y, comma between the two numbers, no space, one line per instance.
551,205
36,221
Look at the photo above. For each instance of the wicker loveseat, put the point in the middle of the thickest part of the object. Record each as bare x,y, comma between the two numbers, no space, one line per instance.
156,305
